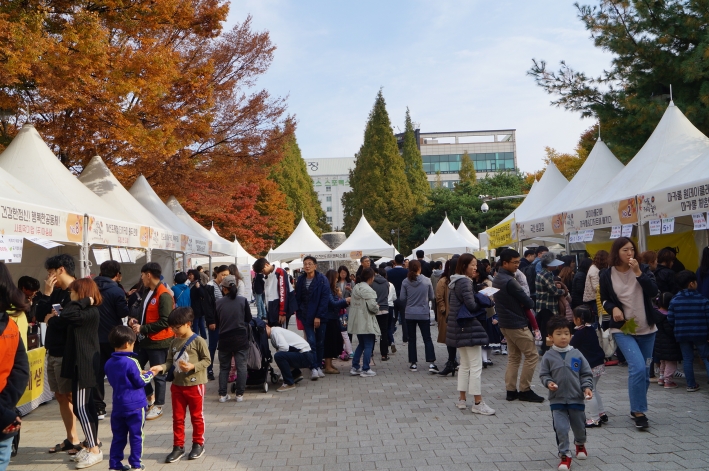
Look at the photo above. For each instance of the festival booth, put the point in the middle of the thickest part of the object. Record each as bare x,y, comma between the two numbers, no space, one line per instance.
190,242
163,241
365,240
539,197
445,242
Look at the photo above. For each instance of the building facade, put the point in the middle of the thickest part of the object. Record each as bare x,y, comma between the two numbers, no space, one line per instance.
331,179
490,151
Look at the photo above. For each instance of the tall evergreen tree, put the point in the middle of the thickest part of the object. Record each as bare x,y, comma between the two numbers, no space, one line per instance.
378,181
413,166
467,169
291,175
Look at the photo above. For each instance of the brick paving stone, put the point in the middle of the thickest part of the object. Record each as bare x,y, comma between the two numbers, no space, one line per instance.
404,420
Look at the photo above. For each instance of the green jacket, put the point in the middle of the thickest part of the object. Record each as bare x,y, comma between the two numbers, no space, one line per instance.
362,317
199,357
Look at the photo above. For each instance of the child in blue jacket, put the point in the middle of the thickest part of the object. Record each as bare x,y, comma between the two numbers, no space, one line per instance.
129,401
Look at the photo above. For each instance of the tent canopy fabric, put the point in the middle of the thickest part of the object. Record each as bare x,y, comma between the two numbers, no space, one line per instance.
445,241
467,235
219,245
302,241
240,252
30,160
550,185
143,192
364,239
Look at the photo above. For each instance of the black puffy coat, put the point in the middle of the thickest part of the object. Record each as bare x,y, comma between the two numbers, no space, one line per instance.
113,307
471,333
577,288
666,347
665,279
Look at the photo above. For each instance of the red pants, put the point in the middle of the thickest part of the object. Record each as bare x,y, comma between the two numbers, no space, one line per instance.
182,398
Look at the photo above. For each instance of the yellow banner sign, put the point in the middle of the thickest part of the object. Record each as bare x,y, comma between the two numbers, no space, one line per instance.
501,235
35,386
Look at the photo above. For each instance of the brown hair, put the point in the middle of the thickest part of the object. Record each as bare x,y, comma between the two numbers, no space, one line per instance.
86,288
601,259
567,276
414,267
648,257
332,278
665,256
463,261
615,250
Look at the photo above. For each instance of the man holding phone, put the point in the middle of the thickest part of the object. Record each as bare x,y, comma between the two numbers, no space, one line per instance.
60,274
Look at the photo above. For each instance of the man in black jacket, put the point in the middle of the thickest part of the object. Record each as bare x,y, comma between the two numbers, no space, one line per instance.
113,309
510,304
426,269
396,276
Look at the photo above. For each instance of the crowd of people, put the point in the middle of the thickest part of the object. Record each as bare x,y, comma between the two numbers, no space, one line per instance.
573,320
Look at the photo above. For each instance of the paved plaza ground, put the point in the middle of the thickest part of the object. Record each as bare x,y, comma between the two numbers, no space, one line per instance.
404,420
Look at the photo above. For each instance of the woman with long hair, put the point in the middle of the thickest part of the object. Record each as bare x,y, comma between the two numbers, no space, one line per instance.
627,289
467,335
600,261
442,315
344,282
416,294
16,369
80,318
333,335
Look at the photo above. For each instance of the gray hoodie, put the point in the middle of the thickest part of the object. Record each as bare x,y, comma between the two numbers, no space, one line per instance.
572,374
381,287
416,296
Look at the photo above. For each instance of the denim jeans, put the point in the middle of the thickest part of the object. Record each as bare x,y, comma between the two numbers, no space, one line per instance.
292,360
260,306
425,328
316,339
637,350
199,327
365,347
155,357
5,451
688,359
213,342
240,358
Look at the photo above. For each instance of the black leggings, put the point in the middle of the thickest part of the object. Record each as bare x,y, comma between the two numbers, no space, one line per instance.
383,321
85,410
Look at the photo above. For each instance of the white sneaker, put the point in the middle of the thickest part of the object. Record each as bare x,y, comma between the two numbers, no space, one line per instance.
101,416
89,460
368,373
482,408
355,371
80,455
314,375
321,373
224,398
155,412
239,398
460,404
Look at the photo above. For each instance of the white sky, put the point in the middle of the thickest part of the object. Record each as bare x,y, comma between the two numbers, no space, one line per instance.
458,66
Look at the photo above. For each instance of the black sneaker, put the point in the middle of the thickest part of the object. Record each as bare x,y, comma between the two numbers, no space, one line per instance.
529,396
641,422
604,419
197,451
512,395
432,368
210,376
298,377
177,453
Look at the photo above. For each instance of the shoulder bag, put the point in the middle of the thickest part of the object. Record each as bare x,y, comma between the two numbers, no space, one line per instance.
171,372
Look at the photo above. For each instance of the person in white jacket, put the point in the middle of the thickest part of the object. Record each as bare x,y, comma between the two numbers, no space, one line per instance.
392,321
292,353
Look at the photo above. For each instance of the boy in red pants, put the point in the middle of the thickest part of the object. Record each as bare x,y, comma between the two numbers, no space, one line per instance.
188,358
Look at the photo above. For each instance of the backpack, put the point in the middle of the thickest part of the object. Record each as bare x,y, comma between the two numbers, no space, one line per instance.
530,272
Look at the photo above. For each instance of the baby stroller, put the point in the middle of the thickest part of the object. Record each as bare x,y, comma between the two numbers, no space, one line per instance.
259,377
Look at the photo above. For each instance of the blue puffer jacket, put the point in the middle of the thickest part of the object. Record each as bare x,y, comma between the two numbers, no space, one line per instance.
313,302
180,300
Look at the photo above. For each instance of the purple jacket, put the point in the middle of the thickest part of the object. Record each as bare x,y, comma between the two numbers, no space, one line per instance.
127,381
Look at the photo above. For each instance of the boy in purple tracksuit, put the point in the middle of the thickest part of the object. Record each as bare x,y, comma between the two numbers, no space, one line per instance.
129,402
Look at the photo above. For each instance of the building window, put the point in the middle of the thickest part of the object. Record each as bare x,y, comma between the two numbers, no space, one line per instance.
488,162
328,199
329,209
328,188
329,220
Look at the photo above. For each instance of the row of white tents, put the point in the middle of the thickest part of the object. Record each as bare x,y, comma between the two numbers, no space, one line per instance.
43,201
664,188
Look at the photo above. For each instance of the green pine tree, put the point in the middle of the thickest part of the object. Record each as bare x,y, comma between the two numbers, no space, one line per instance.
413,166
291,175
378,181
467,169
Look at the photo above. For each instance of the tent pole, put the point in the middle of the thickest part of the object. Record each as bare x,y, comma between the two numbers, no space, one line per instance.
642,236
85,271
184,261
567,238
210,264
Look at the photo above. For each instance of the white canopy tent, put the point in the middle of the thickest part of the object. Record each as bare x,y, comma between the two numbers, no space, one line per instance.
240,256
301,242
190,242
220,246
364,239
467,235
445,241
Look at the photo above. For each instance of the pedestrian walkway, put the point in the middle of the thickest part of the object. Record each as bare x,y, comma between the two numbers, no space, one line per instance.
404,420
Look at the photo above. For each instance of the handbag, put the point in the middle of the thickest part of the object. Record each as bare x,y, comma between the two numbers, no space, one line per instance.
171,372
254,360
605,338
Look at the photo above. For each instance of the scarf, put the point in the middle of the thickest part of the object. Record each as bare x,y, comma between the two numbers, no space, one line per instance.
568,348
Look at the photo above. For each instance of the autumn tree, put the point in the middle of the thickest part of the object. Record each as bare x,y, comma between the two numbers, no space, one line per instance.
291,175
379,184
413,165
654,45
467,169
568,164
